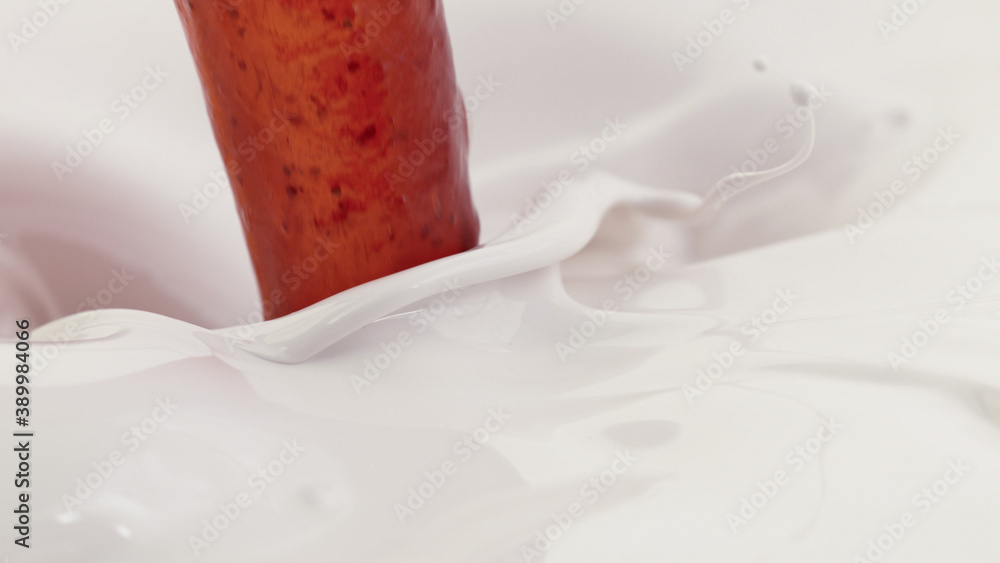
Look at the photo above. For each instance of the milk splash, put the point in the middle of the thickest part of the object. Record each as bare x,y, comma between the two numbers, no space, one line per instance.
491,444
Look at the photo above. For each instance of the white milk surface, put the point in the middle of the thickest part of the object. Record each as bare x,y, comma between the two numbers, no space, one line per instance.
814,375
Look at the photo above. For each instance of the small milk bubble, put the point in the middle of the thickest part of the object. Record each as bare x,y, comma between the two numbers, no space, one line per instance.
801,92
760,64
899,118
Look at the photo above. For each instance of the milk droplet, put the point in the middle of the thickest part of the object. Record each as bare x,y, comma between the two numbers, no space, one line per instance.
802,92
324,498
123,531
760,64
67,517
899,118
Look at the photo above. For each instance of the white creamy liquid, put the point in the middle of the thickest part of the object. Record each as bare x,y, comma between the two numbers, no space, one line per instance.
505,403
